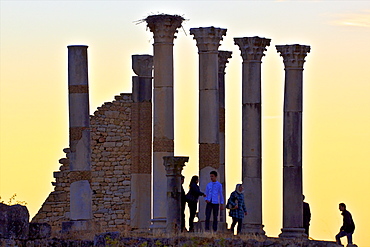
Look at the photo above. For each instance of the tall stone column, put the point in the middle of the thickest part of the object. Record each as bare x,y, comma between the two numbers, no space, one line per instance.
79,139
164,28
174,166
293,58
252,50
208,40
223,57
141,144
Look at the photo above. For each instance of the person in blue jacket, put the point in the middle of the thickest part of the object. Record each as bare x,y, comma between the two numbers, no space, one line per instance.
214,199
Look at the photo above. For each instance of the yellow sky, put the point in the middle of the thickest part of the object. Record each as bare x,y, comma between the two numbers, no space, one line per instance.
336,118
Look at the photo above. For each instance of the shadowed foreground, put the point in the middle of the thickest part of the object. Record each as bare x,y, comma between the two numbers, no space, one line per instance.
185,240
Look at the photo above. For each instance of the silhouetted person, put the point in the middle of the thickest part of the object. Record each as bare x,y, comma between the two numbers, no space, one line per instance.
237,207
214,200
348,226
306,216
192,199
183,204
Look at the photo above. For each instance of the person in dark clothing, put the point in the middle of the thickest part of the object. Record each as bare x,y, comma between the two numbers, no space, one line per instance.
348,226
183,204
192,199
237,208
306,216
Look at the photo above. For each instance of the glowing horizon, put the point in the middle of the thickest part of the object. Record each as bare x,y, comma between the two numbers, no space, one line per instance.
336,136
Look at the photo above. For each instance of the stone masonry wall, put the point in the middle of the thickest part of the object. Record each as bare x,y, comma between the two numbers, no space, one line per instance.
111,168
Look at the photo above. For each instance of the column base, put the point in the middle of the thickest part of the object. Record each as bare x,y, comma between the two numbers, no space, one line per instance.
158,225
79,229
256,229
292,233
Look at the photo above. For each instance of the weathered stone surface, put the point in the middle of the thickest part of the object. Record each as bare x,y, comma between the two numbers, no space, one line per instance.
174,166
39,230
208,40
79,133
252,50
14,221
163,28
209,154
3,220
293,56
110,171
106,239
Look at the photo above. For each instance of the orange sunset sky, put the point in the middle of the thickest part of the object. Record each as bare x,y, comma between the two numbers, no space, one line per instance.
34,36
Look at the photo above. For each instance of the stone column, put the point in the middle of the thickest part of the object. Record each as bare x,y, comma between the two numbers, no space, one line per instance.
223,57
208,40
252,50
293,58
174,166
141,144
164,28
79,139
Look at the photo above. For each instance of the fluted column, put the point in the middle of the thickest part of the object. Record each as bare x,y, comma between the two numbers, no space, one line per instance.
293,58
174,166
252,50
163,28
223,57
141,141
208,40
79,134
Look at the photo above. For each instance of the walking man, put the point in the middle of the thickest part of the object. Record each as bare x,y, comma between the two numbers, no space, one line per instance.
348,226
214,199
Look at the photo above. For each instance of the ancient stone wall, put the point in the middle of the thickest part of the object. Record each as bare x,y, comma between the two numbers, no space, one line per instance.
111,171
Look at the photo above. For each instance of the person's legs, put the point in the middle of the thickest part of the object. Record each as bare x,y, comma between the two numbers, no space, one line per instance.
215,216
235,220
193,210
240,224
349,238
339,235
208,214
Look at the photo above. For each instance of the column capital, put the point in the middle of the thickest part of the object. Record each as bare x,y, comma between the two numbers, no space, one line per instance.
252,48
142,65
174,164
208,38
164,27
223,57
293,55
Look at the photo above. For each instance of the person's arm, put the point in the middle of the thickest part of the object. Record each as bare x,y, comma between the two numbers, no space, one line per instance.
206,198
232,200
222,201
346,221
195,188
220,196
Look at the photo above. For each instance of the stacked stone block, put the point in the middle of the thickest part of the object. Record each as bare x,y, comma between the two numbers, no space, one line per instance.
111,163
111,171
